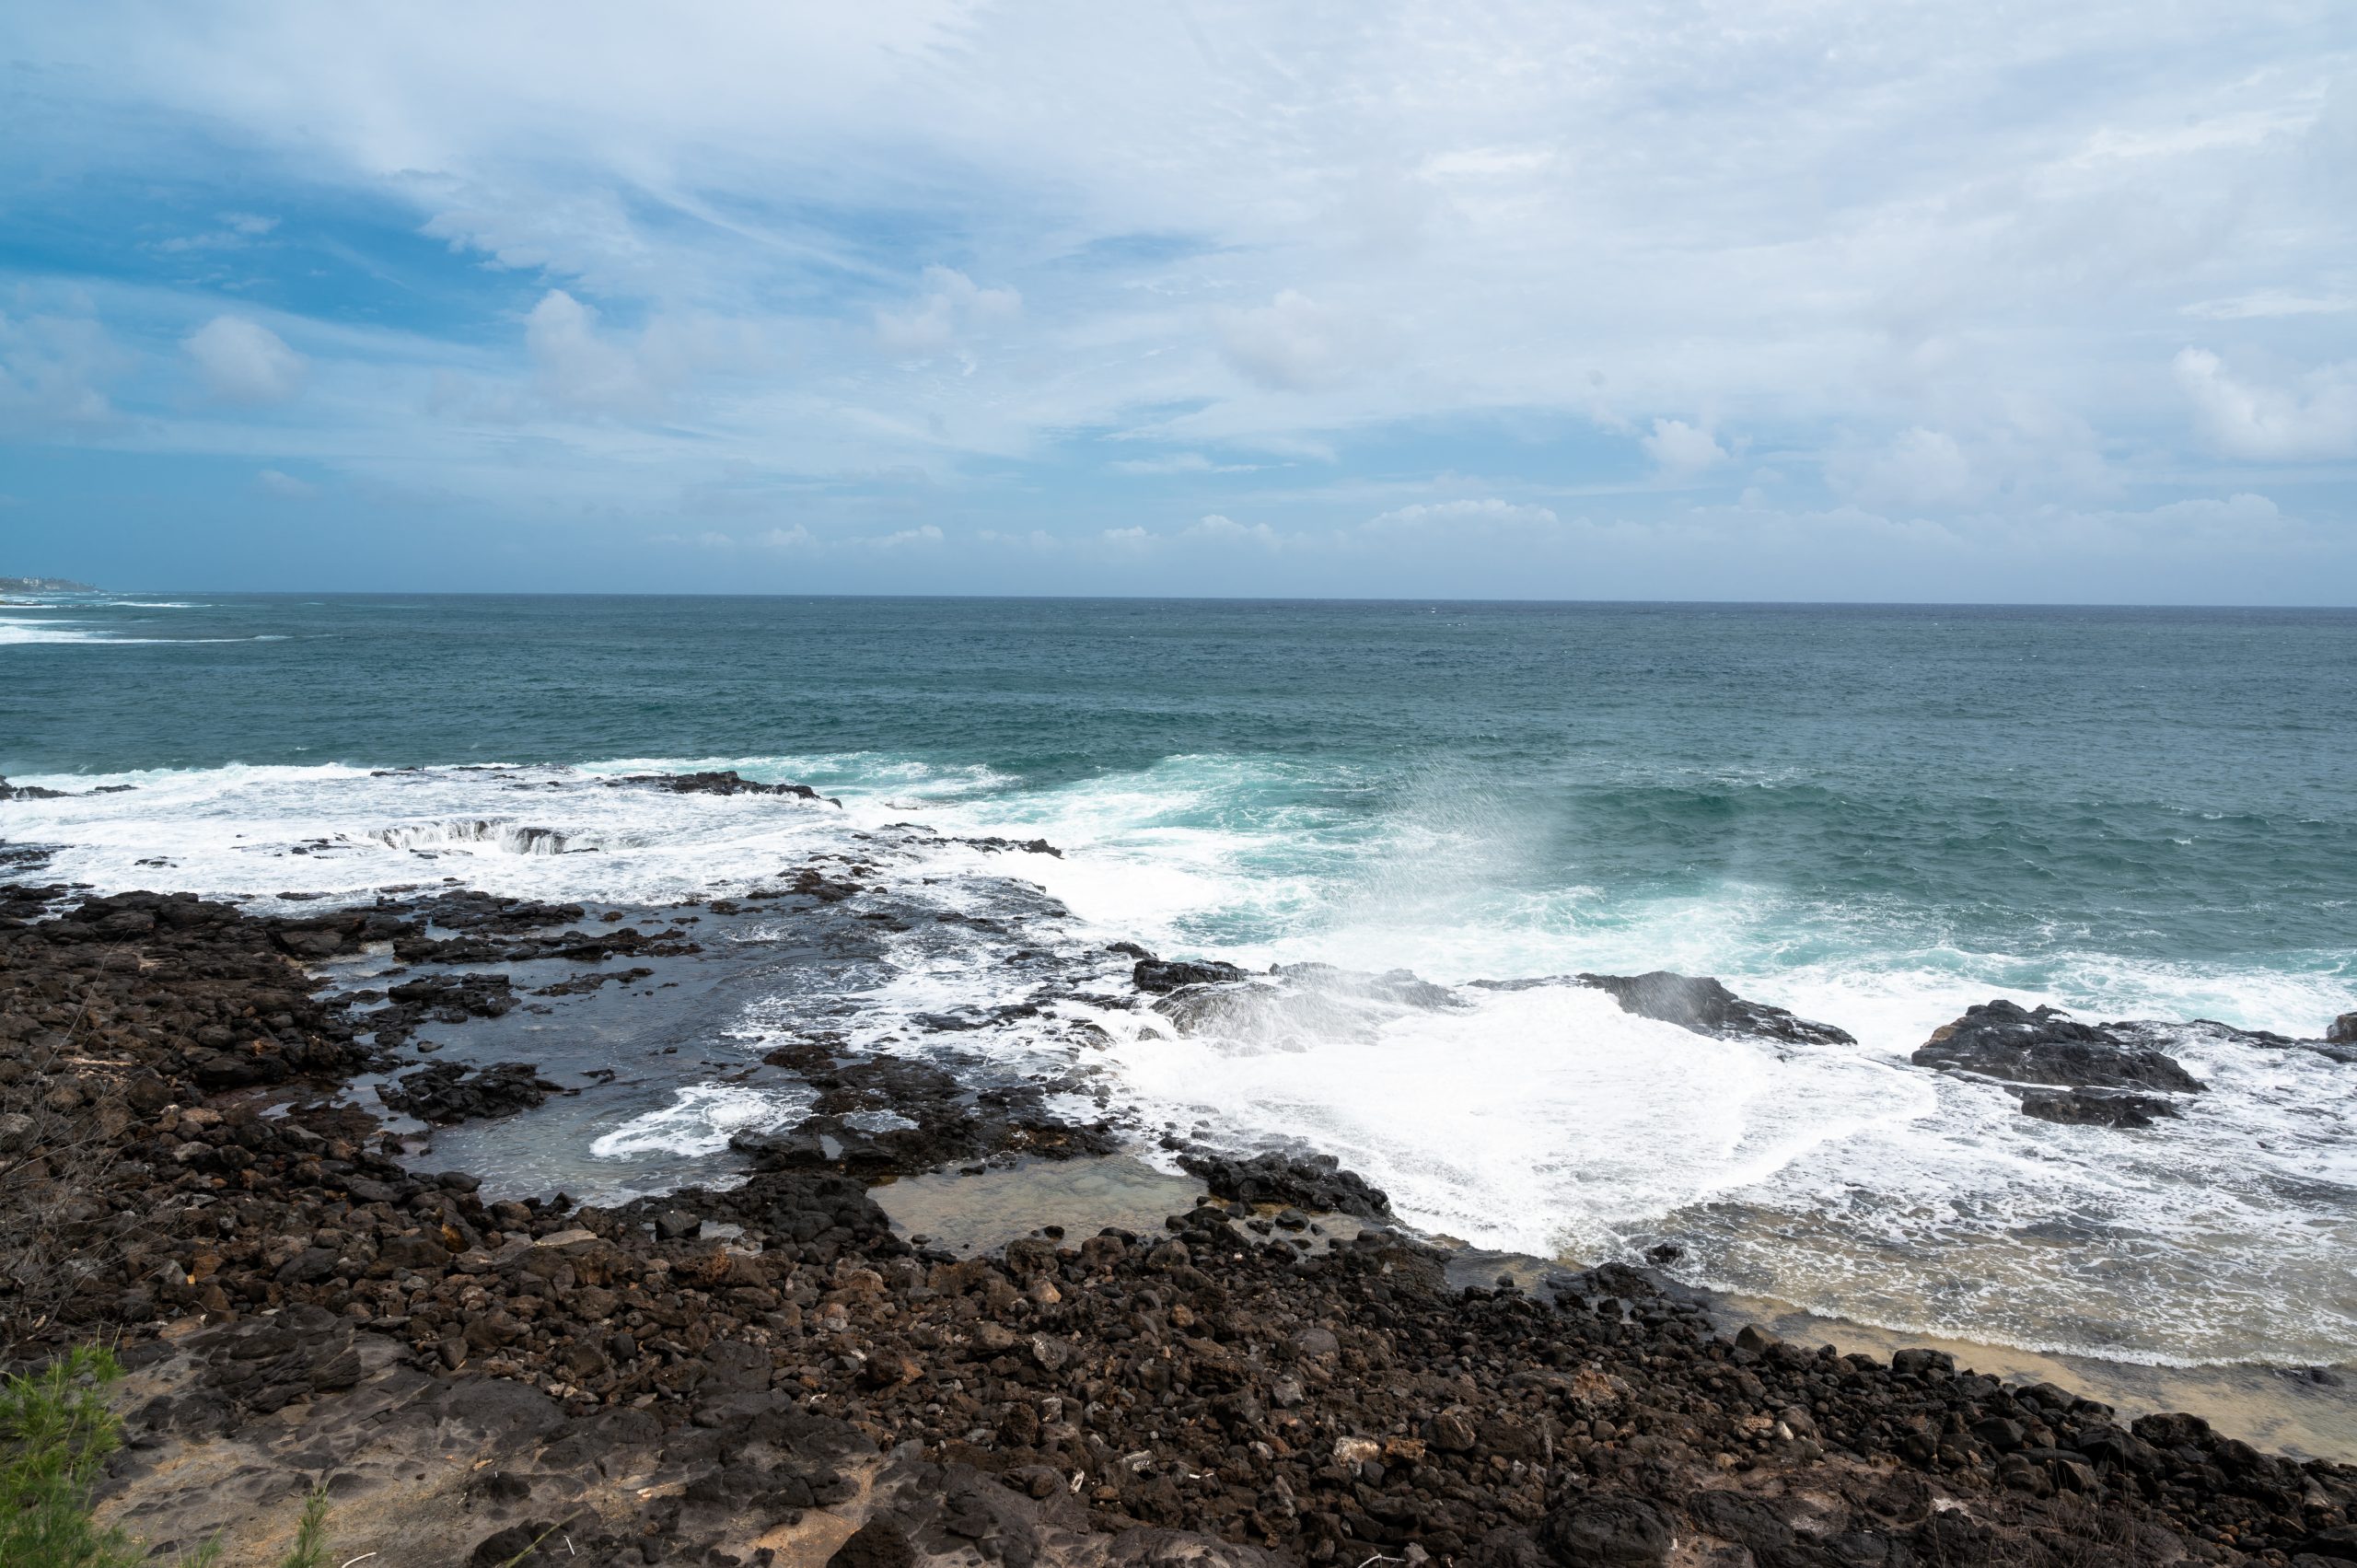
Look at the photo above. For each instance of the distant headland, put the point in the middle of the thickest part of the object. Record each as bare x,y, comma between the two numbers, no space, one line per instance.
43,585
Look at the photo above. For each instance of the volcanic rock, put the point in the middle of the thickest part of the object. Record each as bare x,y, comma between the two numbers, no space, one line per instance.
726,782
1703,1005
1307,1181
1162,976
2004,1041
2090,1107
445,1092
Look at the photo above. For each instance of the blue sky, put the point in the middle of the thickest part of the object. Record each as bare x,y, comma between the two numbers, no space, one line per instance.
1709,298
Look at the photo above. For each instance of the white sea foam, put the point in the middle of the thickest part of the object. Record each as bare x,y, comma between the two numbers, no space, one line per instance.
1843,1178
701,1120
18,629
28,629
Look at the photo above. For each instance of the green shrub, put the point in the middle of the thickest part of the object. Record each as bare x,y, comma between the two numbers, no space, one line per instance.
310,1548
55,1431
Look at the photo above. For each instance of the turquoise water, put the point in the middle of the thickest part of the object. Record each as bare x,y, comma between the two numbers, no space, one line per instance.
1875,815
2168,786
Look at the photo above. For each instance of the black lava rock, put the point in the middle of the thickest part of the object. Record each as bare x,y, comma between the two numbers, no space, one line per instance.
726,782
1609,1531
446,1092
1315,1182
2005,1040
1163,975
2090,1108
1701,1004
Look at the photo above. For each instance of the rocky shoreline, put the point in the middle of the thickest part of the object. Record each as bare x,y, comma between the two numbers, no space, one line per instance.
769,1373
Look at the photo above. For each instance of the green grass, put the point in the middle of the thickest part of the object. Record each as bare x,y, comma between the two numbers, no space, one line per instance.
56,1431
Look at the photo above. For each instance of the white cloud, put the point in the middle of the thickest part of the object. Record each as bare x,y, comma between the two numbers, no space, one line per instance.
1681,450
795,537
285,486
579,364
952,304
242,360
237,230
1037,538
926,534
2267,304
1227,531
1920,469
54,370
2240,513
575,365
1485,516
1256,230
1294,344
1179,462
2245,419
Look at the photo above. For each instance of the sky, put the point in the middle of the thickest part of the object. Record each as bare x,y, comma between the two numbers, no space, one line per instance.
1790,299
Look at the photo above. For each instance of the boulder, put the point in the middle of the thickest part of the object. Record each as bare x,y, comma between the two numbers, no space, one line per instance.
1697,1003
1609,1531
1315,1182
1701,1004
446,1092
2094,1107
2007,1042
1162,976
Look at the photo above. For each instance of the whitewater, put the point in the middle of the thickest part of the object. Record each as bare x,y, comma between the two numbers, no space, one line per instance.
1875,817
1837,1177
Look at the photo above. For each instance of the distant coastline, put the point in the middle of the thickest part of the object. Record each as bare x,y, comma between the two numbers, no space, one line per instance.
44,585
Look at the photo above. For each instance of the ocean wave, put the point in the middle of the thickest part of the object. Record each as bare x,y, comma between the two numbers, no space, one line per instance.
1843,1180
701,1120
19,629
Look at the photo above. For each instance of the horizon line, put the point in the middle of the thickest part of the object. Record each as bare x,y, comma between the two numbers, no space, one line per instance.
1179,598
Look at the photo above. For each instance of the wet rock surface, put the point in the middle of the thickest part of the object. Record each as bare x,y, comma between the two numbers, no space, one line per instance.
1299,1001
768,1374
726,782
2095,1108
446,1092
2007,1042
1696,1002
1315,1182
1161,976
994,845
941,1117
29,792
1703,1005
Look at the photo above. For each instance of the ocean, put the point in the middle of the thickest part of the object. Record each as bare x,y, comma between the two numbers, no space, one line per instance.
1874,816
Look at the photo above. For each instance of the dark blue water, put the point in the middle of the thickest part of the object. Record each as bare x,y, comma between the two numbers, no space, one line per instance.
2163,785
